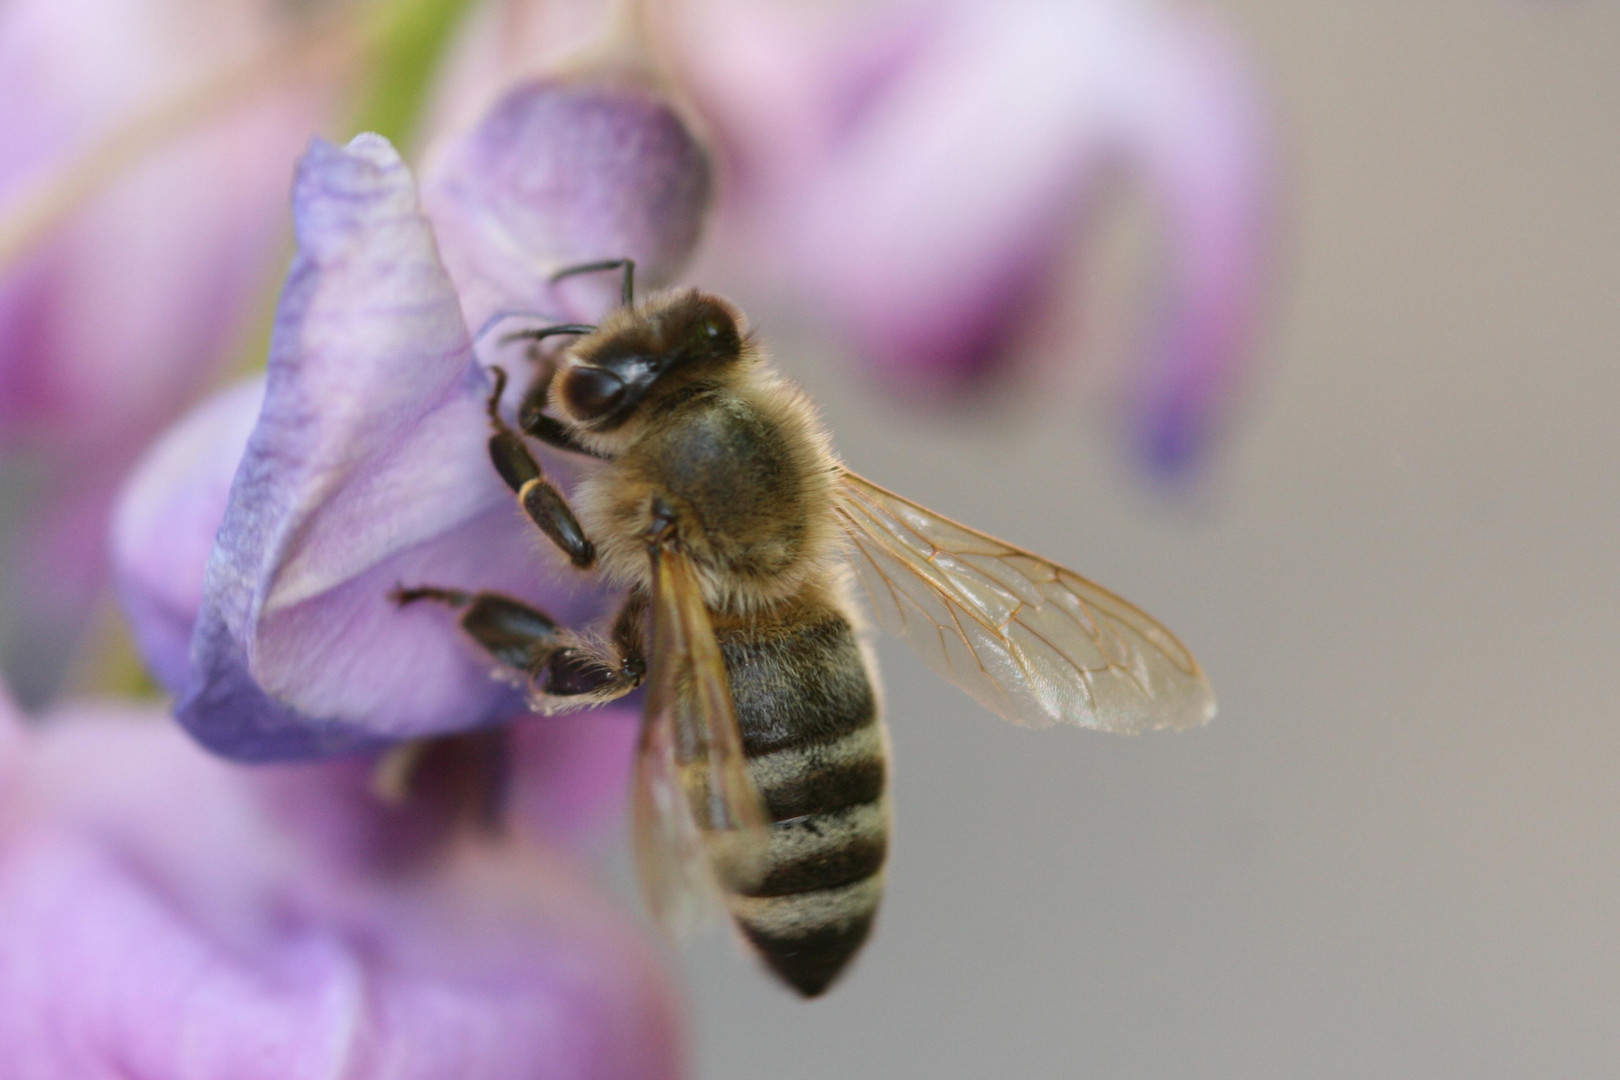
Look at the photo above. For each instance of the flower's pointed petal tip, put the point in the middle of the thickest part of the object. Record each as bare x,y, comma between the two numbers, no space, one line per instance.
368,146
374,148
564,172
341,192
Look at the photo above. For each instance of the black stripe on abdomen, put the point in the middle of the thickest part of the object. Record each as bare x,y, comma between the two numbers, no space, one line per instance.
810,938
817,753
797,685
813,906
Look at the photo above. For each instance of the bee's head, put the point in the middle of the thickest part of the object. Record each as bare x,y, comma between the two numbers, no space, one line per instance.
643,354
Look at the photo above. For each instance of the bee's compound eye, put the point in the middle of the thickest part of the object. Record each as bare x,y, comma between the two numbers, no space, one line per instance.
590,392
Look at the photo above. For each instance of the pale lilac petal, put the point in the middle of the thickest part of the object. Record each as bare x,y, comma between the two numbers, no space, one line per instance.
155,922
1204,143
571,772
923,189
562,173
113,321
368,468
13,746
165,522
173,252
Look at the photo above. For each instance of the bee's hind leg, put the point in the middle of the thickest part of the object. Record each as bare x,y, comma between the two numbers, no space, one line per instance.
511,631
558,662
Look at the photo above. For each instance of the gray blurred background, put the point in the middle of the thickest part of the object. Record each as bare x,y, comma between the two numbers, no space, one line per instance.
1396,852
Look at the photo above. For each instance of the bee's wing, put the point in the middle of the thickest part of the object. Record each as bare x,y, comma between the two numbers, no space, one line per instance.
697,814
1031,641
670,861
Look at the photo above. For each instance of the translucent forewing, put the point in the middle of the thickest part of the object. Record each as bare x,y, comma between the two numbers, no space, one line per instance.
1034,643
694,796
670,861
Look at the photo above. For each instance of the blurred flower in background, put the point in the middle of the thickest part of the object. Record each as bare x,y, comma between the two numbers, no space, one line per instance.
368,464
914,173
161,914
128,303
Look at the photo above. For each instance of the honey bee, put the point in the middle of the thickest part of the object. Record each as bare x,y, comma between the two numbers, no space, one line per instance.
716,503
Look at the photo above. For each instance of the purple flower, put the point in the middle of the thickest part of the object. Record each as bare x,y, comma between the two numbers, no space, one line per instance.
111,322
160,916
367,464
919,174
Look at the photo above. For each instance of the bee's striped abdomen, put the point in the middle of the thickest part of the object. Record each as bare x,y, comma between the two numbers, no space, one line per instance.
816,748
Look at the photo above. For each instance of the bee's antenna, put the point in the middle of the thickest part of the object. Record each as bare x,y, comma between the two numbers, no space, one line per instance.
627,292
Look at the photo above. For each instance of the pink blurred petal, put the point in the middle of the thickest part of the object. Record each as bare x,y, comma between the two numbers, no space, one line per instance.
109,325
368,467
1205,145
166,520
919,179
155,922
571,772
561,173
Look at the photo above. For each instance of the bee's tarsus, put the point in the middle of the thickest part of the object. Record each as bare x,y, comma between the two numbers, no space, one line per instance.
493,403
627,290
451,597
543,332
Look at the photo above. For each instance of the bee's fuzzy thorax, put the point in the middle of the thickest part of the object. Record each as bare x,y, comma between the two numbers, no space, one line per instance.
744,455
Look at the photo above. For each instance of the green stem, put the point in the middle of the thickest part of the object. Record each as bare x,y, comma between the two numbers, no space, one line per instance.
404,57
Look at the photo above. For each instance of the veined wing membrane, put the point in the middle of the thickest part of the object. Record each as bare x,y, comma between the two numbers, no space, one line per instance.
697,813
670,861
1033,642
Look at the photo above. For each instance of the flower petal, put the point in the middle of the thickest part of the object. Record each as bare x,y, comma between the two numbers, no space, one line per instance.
1204,143
368,467
166,519
112,321
562,173
570,773
931,188
154,922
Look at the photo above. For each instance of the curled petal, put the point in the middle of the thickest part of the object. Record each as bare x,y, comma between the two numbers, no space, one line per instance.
118,312
367,469
165,522
561,173
155,923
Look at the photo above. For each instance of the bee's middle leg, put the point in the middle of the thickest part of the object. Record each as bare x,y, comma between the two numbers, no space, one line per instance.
558,662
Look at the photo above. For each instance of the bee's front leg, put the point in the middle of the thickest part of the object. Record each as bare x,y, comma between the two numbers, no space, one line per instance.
541,500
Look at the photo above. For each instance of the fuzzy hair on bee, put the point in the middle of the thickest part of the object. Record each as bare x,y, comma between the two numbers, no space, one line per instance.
736,451
716,504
